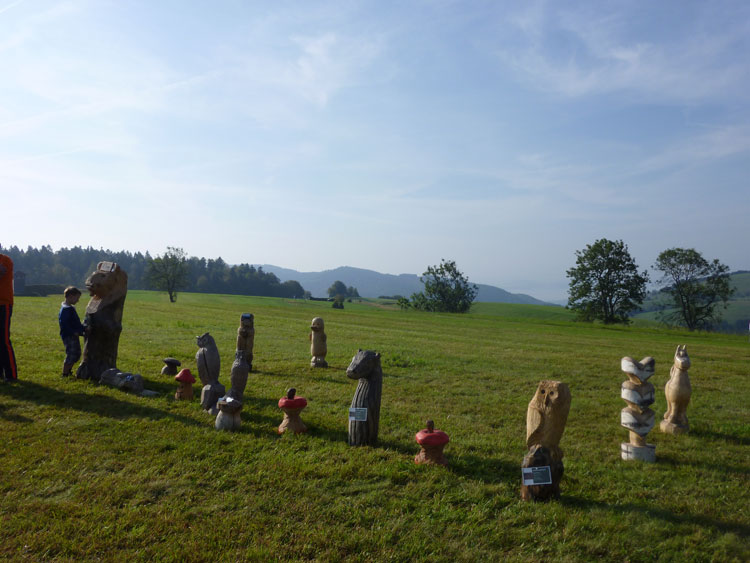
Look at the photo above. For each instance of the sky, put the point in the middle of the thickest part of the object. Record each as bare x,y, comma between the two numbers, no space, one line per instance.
376,134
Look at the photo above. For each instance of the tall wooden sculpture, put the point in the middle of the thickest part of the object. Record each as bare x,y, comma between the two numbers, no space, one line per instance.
209,365
637,417
364,414
677,392
246,337
108,286
546,417
318,344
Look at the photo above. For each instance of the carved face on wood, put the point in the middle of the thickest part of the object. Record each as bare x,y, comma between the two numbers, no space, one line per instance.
681,358
110,283
317,325
363,364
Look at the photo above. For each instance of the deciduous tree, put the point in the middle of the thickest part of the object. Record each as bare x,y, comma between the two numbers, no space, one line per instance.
696,287
446,289
605,283
168,272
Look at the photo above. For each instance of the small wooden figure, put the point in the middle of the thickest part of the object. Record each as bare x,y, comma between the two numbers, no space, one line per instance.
185,390
433,442
318,344
292,407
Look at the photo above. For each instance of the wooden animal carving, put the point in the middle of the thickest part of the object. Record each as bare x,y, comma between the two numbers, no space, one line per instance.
318,345
365,366
546,417
108,286
547,414
207,358
677,392
246,337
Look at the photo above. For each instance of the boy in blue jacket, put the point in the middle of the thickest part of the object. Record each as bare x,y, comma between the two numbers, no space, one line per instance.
70,328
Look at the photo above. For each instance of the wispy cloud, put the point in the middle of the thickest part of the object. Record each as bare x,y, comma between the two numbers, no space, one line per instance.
588,51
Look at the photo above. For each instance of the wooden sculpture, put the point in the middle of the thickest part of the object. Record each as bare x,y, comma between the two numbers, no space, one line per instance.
546,417
364,414
637,417
318,344
678,393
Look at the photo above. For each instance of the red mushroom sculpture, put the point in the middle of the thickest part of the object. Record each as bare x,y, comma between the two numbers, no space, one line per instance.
185,390
432,442
292,406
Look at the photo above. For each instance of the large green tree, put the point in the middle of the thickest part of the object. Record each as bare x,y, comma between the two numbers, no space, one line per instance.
605,283
168,272
446,289
337,288
696,287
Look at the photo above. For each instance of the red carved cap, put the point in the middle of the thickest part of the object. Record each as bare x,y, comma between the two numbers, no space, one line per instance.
296,403
435,438
185,376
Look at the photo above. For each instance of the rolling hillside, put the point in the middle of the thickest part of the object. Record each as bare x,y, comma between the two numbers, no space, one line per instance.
374,284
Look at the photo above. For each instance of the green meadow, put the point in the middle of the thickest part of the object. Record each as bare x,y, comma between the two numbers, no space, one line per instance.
92,473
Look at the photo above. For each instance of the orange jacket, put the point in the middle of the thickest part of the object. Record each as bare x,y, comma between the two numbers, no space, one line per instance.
6,280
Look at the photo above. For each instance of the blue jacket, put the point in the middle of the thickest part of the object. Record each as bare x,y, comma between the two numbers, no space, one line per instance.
70,323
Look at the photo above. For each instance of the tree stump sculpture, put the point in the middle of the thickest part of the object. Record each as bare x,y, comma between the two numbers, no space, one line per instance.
637,417
246,337
209,366
432,443
318,344
292,407
108,287
546,417
364,414
677,392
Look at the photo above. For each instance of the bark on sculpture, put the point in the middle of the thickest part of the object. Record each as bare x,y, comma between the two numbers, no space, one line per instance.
677,392
546,417
363,423
637,417
209,366
318,344
108,286
246,337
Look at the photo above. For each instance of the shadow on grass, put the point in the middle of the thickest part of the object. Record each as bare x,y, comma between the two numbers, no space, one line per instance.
485,469
11,416
711,435
666,515
85,402
719,467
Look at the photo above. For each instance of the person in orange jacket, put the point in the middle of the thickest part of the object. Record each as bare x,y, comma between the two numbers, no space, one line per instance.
8,370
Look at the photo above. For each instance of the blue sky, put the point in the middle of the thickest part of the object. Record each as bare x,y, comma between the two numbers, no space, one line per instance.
382,135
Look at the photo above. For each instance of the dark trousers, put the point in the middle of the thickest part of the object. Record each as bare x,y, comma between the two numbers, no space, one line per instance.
7,356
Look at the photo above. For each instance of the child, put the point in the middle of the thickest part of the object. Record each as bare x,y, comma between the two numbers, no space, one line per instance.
70,328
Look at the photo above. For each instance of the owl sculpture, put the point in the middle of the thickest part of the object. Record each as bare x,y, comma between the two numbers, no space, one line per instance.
547,415
207,358
545,424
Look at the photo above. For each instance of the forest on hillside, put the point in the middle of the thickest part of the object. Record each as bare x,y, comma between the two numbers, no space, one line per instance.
71,266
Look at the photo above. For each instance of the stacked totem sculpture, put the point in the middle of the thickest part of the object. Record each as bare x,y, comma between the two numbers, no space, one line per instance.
677,392
546,417
246,337
637,417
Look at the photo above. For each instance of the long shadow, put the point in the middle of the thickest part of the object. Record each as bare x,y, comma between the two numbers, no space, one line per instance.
733,527
719,467
738,440
486,469
11,416
85,402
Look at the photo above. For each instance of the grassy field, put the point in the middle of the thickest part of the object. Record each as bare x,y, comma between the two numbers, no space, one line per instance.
91,473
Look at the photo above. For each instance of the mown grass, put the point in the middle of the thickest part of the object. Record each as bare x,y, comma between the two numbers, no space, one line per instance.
92,473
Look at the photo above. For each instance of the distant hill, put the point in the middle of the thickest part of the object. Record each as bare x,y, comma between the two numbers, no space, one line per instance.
370,283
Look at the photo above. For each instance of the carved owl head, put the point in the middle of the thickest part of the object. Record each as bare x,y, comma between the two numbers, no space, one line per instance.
205,340
552,396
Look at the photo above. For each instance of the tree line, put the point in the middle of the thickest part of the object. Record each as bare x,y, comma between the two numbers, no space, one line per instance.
71,266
